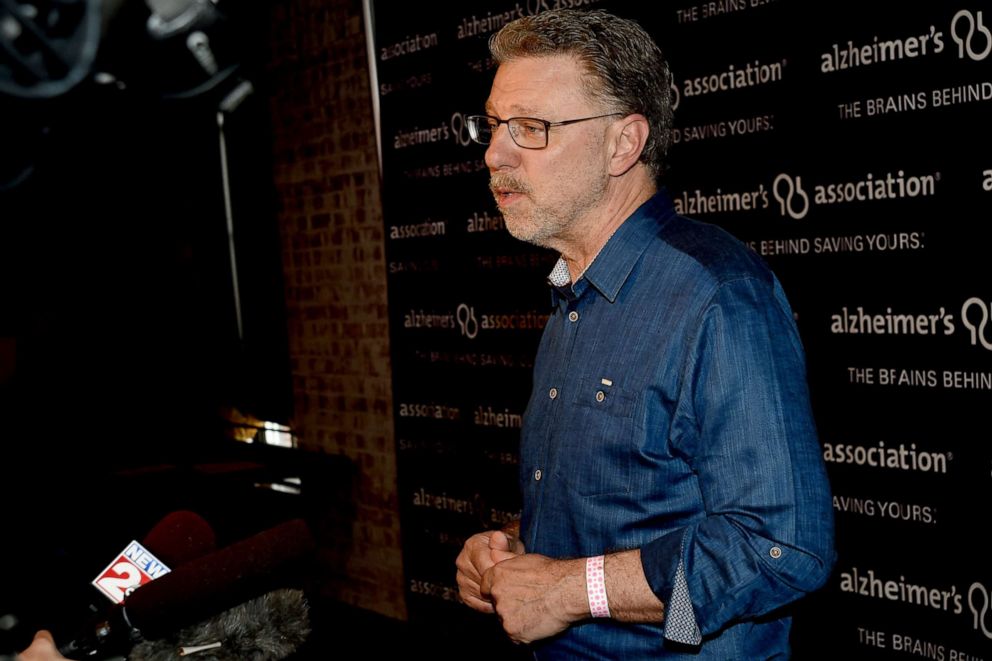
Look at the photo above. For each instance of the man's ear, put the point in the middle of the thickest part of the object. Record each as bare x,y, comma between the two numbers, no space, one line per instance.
628,143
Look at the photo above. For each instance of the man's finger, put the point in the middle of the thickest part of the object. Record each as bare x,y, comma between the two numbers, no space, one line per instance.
467,569
486,585
500,541
478,604
500,556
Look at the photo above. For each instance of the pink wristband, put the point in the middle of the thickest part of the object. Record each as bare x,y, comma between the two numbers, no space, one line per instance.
596,587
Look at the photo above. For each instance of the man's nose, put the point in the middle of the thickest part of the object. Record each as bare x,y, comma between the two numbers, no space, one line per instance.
502,152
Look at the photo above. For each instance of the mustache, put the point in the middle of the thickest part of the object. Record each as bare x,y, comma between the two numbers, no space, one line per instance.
507,182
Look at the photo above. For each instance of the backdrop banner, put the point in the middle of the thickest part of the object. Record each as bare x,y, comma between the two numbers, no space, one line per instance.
847,143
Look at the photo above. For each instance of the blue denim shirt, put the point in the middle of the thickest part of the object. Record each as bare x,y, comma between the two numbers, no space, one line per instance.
670,413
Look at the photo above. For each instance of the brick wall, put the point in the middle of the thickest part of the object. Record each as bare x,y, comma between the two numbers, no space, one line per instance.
331,229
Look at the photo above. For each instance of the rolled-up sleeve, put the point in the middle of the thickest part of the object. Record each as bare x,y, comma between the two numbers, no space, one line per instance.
744,425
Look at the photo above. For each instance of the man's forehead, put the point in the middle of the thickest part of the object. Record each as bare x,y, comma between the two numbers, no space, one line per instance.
542,66
529,85
516,108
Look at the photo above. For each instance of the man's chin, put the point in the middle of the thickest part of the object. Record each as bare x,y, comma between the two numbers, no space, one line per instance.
527,234
518,230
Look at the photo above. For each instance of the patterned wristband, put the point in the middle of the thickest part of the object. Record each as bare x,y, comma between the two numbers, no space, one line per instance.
596,587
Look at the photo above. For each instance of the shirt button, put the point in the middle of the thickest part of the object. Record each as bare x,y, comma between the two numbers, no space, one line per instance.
600,395
775,552
573,316
553,393
537,475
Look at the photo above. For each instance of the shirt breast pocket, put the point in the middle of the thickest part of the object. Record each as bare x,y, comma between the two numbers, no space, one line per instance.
598,445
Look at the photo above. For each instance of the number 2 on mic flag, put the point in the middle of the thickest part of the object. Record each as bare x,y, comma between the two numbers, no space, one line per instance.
134,567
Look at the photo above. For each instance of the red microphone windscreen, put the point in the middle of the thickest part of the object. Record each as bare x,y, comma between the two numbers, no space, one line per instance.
180,537
207,585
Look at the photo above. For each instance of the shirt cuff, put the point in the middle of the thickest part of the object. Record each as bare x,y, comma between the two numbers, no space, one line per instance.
680,617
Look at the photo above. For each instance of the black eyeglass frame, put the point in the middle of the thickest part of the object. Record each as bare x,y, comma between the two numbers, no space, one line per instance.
473,121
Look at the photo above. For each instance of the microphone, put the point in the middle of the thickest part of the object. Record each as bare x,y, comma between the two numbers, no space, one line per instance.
219,580
177,538
272,626
235,585
181,536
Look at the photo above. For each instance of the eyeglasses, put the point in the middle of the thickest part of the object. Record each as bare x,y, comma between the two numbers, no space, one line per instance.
526,132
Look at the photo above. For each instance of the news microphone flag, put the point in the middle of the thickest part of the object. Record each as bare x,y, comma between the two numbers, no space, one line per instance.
134,567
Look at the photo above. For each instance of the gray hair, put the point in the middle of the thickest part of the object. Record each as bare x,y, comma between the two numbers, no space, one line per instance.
626,69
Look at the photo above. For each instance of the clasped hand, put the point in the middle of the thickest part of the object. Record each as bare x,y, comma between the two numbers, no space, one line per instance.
527,591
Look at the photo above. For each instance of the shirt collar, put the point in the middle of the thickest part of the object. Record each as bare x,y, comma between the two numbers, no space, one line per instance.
612,266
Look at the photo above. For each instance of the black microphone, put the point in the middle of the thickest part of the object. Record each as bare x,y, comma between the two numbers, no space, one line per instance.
215,596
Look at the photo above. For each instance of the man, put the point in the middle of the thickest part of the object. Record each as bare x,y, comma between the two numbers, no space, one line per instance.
674,496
